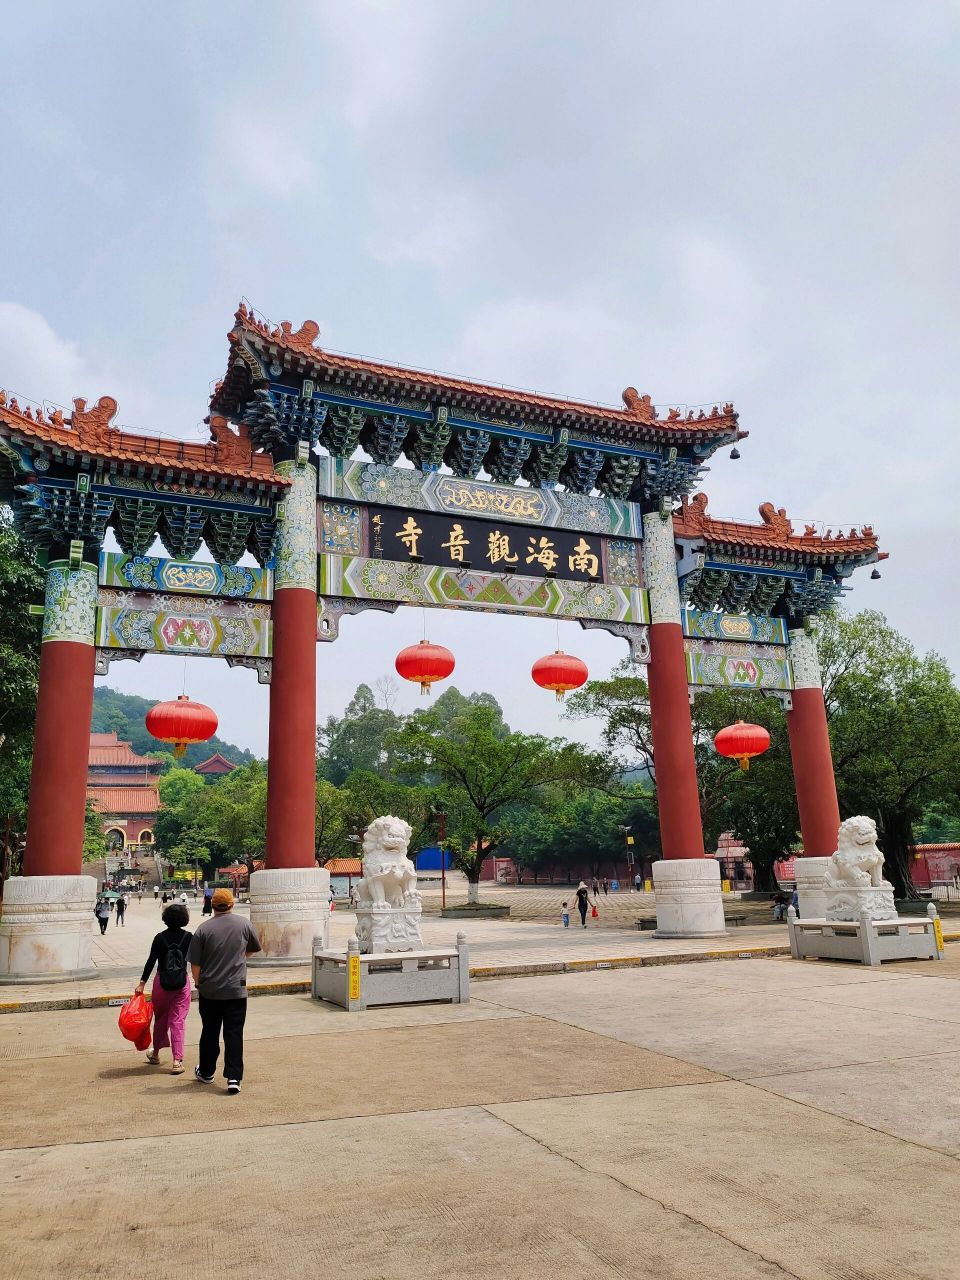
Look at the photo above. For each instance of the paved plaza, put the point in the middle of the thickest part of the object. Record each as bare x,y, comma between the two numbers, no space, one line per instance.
497,947
724,1121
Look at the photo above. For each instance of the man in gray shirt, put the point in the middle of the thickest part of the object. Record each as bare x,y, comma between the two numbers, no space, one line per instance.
218,956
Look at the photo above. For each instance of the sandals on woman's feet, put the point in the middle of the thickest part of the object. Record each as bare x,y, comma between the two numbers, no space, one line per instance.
177,1068
153,1059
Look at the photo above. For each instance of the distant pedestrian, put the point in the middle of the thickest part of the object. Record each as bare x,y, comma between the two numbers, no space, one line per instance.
183,899
207,902
565,915
164,898
140,894
156,892
583,902
121,911
795,901
218,956
637,882
194,893
606,887
171,987
102,912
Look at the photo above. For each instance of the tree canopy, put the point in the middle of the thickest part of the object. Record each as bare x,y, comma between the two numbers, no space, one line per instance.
483,774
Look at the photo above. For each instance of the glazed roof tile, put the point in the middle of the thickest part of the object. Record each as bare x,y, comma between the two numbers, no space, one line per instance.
88,431
637,417
344,867
106,749
774,534
118,800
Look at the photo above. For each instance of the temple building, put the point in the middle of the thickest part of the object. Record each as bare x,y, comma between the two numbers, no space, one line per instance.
216,766
123,788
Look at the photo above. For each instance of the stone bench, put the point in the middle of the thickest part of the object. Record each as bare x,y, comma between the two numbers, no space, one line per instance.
865,940
390,977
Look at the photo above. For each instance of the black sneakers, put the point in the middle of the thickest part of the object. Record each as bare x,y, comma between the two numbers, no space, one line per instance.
202,1079
233,1086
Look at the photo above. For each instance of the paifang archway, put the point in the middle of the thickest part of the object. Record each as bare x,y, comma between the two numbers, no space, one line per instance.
604,531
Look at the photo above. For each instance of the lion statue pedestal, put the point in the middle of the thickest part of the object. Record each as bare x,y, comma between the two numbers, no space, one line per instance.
387,963
854,880
388,905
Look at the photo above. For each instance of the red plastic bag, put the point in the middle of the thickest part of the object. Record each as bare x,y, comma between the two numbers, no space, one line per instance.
594,912
134,1021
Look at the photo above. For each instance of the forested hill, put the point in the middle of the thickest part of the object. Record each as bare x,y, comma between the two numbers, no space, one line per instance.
123,714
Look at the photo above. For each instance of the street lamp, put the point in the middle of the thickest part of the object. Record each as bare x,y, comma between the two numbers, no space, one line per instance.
441,818
628,842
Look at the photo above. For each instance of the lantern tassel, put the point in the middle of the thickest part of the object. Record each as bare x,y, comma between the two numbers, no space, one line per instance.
179,748
744,763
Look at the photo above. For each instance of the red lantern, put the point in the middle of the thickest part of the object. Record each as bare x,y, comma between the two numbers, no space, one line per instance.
425,664
181,723
742,742
559,672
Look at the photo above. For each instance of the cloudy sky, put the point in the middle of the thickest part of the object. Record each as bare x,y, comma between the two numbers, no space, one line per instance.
751,201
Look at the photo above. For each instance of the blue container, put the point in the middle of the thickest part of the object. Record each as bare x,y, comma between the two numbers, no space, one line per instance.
429,859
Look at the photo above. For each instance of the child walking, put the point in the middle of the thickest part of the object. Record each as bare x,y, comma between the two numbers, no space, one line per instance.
565,915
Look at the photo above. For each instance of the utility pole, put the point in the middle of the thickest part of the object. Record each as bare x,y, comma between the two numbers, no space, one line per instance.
442,835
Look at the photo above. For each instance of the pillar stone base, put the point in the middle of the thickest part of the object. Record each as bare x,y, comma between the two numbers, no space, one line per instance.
289,907
47,928
810,874
689,902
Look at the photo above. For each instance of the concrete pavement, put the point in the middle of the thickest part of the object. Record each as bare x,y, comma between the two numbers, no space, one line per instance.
713,1121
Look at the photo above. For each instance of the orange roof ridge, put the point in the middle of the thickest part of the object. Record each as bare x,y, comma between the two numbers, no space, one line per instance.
638,409
775,532
90,431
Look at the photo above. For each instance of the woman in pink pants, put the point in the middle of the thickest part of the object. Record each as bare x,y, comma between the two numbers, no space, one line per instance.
171,986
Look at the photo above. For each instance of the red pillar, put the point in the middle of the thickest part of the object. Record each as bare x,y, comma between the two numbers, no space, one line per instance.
61,748
291,762
291,793
678,799
813,773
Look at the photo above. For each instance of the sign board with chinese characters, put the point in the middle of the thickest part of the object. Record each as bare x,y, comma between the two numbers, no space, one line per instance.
489,545
389,536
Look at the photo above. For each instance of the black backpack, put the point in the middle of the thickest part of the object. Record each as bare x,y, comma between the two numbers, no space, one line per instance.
172,970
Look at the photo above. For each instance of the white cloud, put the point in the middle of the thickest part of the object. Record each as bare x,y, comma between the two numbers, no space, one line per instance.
276,161
40,364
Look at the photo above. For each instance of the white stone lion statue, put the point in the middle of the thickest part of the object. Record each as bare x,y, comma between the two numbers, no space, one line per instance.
857,863
389,877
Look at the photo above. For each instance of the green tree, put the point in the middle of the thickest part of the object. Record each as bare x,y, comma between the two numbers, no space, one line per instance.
357,740
895,729
21,585
481,772
939,824
758,806
94,840
123,714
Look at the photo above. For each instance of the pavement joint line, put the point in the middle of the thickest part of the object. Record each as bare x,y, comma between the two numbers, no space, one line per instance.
363,1115
844,1066
859,1124
900,1013
642,1195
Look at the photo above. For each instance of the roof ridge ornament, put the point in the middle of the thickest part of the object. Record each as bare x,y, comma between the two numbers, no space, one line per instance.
93,425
